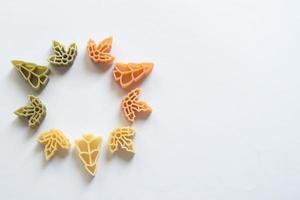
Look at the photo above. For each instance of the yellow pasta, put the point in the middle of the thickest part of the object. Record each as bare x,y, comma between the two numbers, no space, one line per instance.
121,138
53,140
88,148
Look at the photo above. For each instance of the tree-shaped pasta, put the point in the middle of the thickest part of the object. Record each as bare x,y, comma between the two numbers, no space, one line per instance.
131,105
121,138
53,140
35,75
34,112
88,148
63,57
127,74
100,54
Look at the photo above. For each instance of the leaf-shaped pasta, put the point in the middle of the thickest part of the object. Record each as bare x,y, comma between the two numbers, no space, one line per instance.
53,140
35,75
127,74
121,138
131,104
34,112
101,54
88,148
61,57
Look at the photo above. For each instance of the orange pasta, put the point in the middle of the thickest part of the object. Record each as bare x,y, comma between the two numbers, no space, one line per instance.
127,74
100,54
131,105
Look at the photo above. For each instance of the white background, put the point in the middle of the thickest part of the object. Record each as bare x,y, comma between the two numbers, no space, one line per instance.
224,92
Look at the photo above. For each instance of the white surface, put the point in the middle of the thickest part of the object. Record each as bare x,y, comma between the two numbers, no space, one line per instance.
224,90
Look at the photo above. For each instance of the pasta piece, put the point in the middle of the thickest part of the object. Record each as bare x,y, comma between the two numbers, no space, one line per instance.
101,54
131,105
88,148
127,74
53,140
61,57
121,138
34,112
35,75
